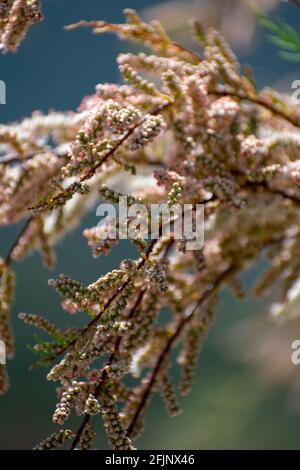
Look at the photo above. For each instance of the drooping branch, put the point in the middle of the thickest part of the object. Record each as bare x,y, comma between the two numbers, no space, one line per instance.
296,2
209,149
8,258
260,101
101,382
98,25
91,172
161,359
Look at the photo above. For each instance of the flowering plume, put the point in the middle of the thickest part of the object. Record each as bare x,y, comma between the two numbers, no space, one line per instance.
209,137
16,16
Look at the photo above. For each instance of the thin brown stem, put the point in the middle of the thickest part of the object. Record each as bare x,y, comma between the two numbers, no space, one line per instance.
259,185
104,371
116,349
183,322
123,286
195,58
296,2
8,258
13,158
96,319
89,174
17,158
161,359
87,417
292,197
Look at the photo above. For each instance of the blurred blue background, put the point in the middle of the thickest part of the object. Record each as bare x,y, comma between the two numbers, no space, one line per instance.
234,404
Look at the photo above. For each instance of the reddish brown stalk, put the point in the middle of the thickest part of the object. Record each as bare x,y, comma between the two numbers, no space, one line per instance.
264,185
253,98
112,356
260,101
14,158
93,170
96,319
8,258
161,359
295,199
296,2
104,372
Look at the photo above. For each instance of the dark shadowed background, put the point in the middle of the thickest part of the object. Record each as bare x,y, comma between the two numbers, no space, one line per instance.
234,404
